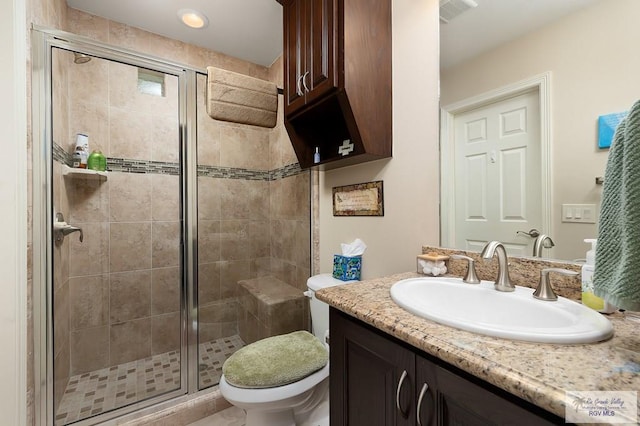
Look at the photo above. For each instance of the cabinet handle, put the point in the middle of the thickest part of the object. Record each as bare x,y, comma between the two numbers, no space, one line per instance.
304,81
425,387
298,88
398,389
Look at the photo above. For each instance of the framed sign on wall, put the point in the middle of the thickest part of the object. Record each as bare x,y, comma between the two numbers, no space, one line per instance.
361,199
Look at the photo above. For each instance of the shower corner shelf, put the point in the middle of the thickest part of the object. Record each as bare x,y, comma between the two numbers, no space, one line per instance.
83,174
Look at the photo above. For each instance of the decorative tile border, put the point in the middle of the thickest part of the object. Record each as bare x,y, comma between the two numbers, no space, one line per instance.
285,172
125,165
248,174
232,173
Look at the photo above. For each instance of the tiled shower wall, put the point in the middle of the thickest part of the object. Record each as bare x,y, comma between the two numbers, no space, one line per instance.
118,289
233,216
249,224
290,204
120,299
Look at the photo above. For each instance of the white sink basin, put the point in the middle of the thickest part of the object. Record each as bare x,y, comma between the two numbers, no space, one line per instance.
516,315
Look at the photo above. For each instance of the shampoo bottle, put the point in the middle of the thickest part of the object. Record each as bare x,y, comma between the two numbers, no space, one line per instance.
588,297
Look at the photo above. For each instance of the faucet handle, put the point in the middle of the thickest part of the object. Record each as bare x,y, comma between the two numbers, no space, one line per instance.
470,277
545,290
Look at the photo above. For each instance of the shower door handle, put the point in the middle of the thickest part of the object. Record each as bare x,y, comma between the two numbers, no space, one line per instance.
61,229
69,229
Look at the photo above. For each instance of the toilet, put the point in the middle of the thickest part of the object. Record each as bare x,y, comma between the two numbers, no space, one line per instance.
304,402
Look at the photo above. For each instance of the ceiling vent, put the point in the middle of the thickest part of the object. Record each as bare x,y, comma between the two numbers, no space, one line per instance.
450,9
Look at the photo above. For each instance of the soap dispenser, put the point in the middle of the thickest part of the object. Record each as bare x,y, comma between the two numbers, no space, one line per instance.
588,297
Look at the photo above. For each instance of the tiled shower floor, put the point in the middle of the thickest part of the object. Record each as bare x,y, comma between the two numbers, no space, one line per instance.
99,391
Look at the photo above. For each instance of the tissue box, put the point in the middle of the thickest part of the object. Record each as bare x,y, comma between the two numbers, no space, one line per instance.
347,268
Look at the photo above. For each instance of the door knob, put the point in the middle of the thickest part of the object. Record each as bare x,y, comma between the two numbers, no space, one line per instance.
533,233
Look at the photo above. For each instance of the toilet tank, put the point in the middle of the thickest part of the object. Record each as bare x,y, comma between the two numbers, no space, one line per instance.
320,310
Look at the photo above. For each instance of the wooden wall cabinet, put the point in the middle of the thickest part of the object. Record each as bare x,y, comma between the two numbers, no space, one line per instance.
337,78
309,46
378,380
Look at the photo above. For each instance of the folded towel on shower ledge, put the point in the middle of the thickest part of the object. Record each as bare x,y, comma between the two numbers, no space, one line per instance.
238,98
617,270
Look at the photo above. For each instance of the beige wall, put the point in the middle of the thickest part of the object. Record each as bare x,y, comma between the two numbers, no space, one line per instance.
411,177
593,72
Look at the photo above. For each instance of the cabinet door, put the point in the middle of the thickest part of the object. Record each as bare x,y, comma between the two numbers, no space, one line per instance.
461,402
372,378
320,75
296,24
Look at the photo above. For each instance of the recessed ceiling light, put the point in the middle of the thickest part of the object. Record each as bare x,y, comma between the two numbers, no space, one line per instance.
193,18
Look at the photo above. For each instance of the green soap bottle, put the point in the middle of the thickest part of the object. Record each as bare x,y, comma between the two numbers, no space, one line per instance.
97,161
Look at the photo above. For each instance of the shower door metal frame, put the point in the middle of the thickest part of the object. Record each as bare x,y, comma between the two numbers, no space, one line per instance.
43,41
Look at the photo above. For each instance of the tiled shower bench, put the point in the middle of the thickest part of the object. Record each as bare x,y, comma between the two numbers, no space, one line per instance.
270,306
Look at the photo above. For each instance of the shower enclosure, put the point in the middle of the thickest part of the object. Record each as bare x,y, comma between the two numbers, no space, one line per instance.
137,301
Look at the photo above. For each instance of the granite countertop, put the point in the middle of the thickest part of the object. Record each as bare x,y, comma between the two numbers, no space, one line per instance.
536,372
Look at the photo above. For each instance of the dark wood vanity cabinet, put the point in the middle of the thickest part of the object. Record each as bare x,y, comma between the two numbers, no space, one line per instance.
379,380
337,80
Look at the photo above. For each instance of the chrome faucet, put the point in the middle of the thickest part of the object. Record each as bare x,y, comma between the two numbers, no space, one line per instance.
503,282
540,243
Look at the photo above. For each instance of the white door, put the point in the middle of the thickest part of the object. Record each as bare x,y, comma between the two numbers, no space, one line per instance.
498,174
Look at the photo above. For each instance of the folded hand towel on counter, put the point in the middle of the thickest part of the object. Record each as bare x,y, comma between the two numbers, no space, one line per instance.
617,271
241,99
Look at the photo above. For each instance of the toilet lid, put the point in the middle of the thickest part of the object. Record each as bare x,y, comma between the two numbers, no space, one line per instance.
275,361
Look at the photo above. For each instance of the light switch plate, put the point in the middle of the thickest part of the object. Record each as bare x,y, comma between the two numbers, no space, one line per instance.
579,213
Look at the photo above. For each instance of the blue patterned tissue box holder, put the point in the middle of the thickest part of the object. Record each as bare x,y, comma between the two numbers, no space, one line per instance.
347,268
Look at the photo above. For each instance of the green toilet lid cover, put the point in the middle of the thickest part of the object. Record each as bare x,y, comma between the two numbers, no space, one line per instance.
275,361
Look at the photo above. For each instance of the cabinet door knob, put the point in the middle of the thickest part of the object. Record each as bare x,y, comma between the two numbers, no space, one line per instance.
398,389
304,81
423,391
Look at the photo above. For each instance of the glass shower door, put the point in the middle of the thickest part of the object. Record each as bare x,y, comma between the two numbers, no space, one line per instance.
225,242
117,299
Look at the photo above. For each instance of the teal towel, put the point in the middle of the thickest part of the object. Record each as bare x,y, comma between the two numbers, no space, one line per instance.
617,272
